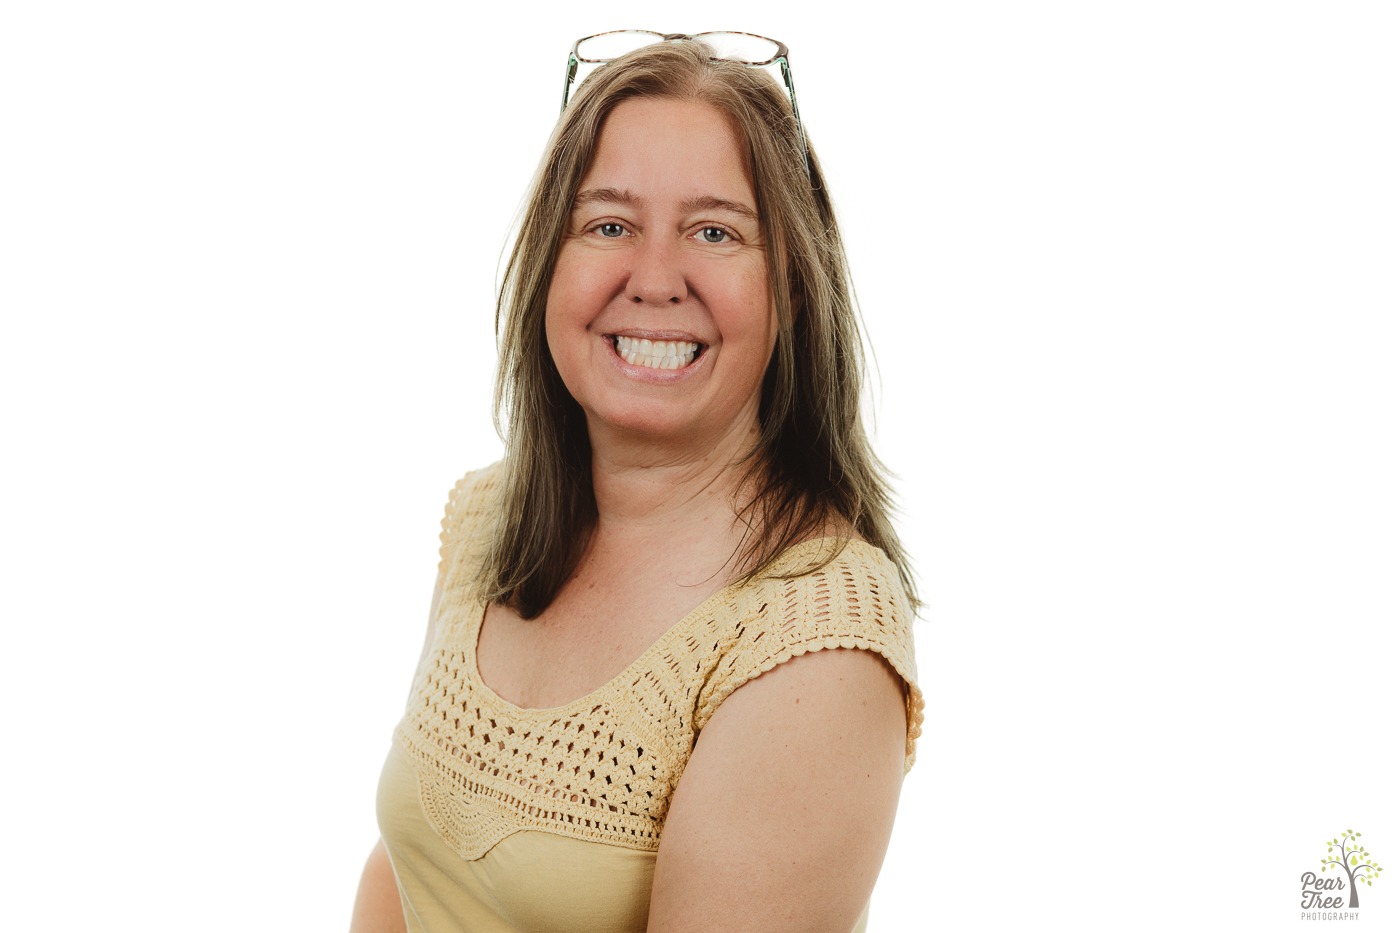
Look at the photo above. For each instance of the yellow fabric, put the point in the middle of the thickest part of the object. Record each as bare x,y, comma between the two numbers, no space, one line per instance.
539,806
530,881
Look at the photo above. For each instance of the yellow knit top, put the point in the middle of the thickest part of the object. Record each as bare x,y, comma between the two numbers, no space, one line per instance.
599,771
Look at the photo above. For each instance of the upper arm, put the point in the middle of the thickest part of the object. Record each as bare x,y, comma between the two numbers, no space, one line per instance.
782,816
377,906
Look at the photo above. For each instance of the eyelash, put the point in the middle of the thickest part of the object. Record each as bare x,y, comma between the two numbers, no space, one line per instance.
731,236
597,228
724,230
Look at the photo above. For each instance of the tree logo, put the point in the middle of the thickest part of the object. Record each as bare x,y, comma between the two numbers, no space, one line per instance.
1351,857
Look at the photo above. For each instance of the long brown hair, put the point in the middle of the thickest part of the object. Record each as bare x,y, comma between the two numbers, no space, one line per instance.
812,467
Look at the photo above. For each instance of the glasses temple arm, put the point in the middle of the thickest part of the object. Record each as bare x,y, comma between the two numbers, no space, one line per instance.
792,96
570,70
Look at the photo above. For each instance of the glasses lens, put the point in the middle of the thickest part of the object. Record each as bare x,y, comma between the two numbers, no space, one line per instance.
611,45
741,47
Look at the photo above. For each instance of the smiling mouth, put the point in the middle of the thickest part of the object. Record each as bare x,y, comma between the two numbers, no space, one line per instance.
657,354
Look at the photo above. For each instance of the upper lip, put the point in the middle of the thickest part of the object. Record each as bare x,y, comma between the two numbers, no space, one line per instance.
646,333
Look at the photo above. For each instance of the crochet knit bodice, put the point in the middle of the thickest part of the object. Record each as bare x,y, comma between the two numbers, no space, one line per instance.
603,767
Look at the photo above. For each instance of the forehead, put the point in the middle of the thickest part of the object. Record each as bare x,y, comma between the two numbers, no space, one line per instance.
671,150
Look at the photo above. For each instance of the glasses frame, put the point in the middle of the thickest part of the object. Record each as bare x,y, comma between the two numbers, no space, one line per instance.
781,59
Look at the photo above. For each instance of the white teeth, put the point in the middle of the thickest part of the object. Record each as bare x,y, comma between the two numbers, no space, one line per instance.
656,354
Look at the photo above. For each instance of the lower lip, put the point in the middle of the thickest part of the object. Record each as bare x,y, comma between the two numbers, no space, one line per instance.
647,373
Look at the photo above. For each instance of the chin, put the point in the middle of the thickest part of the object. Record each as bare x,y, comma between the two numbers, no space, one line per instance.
645,422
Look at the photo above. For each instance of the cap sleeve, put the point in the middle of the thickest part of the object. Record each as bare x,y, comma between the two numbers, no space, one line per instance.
463,521
854,601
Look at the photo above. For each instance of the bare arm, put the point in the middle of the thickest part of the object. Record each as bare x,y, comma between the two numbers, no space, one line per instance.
783,814
377,907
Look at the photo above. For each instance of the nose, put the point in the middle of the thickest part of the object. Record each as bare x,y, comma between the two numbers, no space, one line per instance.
656,276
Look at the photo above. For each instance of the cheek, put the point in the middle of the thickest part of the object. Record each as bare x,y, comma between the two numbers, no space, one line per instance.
565,304
584,280
552,323
579,293
558,325
753,314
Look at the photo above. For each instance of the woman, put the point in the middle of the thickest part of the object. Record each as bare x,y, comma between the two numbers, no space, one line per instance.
680,372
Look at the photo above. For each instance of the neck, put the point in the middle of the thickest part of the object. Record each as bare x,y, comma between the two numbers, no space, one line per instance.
641,487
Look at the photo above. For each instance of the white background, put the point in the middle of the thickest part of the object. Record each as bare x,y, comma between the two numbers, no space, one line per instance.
1132,274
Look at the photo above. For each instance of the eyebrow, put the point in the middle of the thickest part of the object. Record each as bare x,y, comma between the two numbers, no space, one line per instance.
704,202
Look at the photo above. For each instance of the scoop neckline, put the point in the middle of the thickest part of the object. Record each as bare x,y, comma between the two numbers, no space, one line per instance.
479,616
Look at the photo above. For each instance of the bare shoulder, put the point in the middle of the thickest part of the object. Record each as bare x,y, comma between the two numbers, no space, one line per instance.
784,811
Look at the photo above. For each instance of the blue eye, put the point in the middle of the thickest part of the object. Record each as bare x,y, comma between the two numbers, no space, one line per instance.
714,234
610,230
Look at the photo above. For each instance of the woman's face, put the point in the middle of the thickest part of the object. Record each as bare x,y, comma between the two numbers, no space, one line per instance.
659,316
